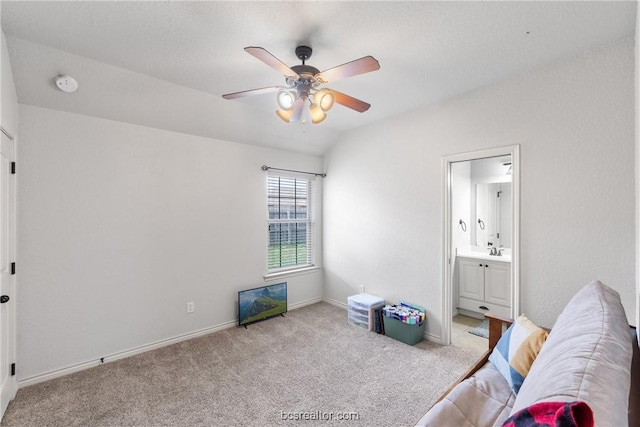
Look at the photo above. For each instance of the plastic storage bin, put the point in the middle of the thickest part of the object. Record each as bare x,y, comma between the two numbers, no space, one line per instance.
408,334
360,309
405,322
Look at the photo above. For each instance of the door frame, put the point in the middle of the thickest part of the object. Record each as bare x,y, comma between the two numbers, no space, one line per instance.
8,391
447,261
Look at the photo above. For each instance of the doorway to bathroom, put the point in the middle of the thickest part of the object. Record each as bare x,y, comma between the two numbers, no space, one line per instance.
480,245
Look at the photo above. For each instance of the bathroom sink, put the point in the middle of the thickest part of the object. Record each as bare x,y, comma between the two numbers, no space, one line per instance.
483,255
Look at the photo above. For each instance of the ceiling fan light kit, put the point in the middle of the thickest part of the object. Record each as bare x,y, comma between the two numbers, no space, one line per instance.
286,99
303,84
322,101
285,115
325,99
317,115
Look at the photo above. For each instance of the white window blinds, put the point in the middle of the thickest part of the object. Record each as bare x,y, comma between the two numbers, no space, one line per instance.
290,223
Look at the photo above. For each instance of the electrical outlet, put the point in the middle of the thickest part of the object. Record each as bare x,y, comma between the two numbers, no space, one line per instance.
362,289
191,307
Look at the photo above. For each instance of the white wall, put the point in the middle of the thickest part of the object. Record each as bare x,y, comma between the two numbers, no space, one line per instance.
9,102
121,225
461,205
574,121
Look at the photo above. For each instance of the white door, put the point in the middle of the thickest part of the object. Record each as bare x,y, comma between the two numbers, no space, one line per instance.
8,383
471,279
497,288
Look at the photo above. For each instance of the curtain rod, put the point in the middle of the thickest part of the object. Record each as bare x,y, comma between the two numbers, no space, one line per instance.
266,168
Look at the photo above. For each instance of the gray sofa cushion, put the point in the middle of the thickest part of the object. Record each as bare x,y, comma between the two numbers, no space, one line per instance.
586,357
485,399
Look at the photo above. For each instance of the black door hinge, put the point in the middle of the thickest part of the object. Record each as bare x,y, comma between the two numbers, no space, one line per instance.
13,268
13,369
13,168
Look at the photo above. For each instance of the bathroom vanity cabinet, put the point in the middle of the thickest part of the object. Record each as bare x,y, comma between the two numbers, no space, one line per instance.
484,286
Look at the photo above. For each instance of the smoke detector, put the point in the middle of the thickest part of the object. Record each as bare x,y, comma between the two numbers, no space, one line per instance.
66,84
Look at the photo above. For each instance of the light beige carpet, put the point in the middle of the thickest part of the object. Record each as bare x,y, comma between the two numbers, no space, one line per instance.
309,364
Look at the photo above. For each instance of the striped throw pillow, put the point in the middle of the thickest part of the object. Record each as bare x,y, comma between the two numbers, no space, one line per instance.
517,349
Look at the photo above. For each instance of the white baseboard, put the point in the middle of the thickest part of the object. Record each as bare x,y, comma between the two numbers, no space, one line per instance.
433,338
336,303
122,354
304,303
142,349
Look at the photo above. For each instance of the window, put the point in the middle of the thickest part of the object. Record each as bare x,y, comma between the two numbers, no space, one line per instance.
290,225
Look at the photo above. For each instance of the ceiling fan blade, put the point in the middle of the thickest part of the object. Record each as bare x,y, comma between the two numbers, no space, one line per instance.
353,68
252,92
298,107
266,57
350,102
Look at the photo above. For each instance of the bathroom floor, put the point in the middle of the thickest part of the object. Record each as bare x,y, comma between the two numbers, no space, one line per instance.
460,336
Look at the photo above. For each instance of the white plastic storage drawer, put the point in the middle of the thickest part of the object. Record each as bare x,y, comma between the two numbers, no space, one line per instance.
358,320
360,307
364,301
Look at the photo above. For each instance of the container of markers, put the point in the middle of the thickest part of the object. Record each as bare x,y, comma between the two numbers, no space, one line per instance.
405,322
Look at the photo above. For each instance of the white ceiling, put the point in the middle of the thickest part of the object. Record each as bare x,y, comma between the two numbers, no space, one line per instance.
166,64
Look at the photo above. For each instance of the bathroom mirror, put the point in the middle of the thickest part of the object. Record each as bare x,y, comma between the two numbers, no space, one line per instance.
492,221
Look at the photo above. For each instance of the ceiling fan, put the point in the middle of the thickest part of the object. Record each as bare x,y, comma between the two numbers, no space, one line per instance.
303,83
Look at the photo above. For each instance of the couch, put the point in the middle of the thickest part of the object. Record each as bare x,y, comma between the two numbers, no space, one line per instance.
590,355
